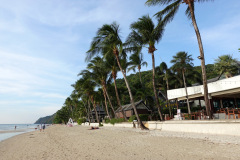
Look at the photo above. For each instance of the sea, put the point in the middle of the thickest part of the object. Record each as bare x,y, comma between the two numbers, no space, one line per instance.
8,130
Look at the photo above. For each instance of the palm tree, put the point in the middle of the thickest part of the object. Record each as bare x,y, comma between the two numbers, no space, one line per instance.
167,72
87,86
84,98
169,12
68,103
227,65
136,61
100,74
108,41
112,64
182,62
144,32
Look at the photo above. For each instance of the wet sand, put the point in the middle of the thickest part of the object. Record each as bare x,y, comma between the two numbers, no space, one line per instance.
79,143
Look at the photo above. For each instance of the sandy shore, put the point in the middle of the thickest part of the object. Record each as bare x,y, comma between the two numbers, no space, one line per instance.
79,143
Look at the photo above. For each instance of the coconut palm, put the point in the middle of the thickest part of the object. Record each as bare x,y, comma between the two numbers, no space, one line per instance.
136,61
169,13
84,98
144,32
100,74
87,86
227,65
182,62
167,73
112,64
108,41
69,103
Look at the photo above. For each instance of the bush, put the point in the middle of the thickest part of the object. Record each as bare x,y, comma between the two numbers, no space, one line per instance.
106,120
80,121
113,121
120,120
133,117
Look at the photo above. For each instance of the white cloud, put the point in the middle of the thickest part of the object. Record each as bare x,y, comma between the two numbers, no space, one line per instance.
224,35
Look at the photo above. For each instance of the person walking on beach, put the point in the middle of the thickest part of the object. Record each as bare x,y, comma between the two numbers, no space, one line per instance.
40,128
43,127
15,127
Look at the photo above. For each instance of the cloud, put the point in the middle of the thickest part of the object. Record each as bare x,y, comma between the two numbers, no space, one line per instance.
224,35
23,74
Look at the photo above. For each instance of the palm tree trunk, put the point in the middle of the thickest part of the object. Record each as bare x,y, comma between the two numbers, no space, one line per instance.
95,110
154,87
87,111
204,77
104,94
185,86
168,105
72,110
140,76
118,100
90,111
130,94
105,88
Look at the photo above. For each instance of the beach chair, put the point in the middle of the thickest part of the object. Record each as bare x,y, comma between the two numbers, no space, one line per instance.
230,112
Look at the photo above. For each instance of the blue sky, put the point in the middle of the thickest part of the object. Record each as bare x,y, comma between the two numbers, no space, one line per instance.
43,45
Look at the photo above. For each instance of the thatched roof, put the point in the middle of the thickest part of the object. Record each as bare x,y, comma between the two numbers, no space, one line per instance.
139,105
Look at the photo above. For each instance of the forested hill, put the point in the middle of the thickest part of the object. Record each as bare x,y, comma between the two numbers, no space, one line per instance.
46,120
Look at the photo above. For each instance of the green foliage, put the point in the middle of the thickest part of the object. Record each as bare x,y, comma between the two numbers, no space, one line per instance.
113,121
62,115
133,117
107,120
118,120
80,121
143,117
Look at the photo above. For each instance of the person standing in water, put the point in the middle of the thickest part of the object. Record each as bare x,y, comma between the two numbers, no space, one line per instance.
15,127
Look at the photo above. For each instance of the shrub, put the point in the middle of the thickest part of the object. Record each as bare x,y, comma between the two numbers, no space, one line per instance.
80,121
106,120
120,120
113,121
133,117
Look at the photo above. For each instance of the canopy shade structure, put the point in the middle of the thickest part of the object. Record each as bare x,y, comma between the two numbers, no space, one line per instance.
229,87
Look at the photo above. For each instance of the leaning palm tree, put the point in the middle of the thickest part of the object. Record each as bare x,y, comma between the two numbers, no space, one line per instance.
136,61
227,65
112,64
169,12
108,41
144,32
100,74
182,62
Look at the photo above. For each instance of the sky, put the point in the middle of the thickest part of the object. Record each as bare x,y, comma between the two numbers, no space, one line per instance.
43,45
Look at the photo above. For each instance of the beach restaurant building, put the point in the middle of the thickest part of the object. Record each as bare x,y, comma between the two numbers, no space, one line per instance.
222,94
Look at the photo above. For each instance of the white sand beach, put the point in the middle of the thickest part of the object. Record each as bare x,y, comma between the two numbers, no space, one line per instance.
79,143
